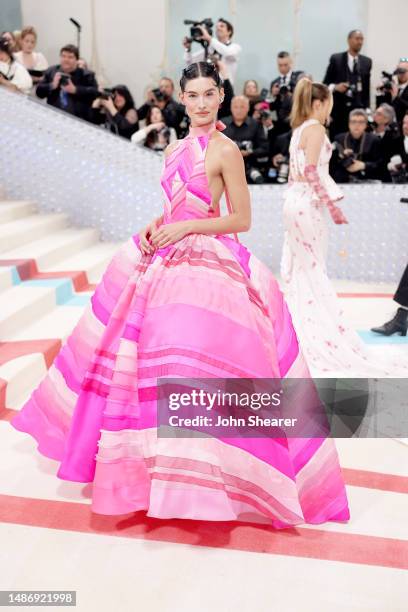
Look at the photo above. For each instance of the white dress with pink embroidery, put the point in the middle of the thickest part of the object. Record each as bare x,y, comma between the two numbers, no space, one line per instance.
328,342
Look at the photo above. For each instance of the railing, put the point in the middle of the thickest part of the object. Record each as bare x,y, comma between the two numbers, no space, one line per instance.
104,181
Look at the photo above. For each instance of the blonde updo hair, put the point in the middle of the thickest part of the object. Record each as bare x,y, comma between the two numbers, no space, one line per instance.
28,30
306,91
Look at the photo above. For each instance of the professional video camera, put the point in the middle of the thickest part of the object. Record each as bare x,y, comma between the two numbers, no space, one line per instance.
195,32
386,81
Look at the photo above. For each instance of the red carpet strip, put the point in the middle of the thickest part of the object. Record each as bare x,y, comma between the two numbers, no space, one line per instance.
309,543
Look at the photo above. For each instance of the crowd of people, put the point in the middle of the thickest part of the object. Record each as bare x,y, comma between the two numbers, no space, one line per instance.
367,145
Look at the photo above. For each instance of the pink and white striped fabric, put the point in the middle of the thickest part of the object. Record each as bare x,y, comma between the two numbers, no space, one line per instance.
204,307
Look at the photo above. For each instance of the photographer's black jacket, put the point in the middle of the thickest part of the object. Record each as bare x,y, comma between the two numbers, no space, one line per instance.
79,103
250,130
294,77
118,124
400,103
371,155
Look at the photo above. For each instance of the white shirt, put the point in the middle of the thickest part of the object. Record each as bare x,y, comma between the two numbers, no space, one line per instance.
40,63
406,144
229,53
18,75
285,78
139,137
350,61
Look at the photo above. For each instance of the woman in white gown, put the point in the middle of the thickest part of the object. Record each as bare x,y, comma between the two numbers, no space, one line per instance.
328,341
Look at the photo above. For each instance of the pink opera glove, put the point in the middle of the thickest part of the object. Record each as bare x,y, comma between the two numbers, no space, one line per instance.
313,178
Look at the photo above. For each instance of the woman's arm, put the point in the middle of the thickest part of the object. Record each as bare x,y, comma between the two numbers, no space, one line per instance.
140,136
313,146
232,170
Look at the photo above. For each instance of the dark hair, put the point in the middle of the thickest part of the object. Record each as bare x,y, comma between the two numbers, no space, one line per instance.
70,49
352,32
149,113
152,136
200,69
123,91
283,54
229,25
305,92
5,46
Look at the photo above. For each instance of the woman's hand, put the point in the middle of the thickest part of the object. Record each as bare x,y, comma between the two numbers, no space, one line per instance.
337,215
109,106
169,234
156,126
145,236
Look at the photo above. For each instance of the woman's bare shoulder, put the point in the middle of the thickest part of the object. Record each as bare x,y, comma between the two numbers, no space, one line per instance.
226,147
315,129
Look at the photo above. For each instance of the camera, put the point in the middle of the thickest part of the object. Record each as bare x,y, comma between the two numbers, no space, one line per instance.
283,170
265,114
398,170
159,95
65,79
386,81
105,94
345,160
195,32
245,145
255,176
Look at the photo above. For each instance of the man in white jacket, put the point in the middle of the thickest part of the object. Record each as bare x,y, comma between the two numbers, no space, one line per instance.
220,43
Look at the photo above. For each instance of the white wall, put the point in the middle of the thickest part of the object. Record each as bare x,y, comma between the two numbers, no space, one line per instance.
387,38
123,39
135,41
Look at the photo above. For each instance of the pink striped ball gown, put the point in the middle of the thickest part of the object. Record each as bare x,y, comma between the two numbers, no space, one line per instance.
203,307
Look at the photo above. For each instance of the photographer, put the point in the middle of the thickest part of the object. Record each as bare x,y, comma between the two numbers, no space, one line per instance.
281,90
248,134
398,164
156,134
348,77
280,158
395,92
386,128
12,74
357,153
115,109
68,87
173,112
220,44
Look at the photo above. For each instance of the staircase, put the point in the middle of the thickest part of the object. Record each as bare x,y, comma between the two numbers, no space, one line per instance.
48,270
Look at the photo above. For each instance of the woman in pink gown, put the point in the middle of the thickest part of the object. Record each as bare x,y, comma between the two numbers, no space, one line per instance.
329,343
183,299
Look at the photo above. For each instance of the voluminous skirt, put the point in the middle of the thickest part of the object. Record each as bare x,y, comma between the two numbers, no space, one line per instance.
202,308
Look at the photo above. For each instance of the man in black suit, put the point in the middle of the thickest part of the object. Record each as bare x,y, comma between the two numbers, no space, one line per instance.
248,134
398,164
281,91
357,155
68,87
399,323
348,76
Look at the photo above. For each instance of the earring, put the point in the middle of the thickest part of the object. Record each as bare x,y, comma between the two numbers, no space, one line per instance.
221,99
